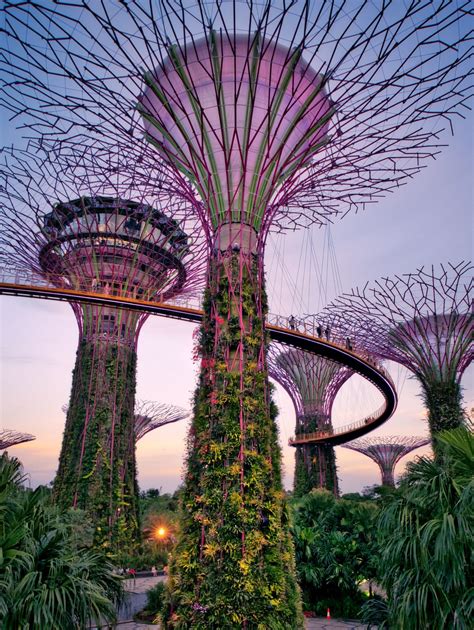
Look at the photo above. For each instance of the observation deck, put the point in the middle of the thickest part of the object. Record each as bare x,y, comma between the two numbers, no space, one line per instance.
22,284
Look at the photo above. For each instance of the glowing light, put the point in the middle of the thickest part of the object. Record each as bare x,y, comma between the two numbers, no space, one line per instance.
160,532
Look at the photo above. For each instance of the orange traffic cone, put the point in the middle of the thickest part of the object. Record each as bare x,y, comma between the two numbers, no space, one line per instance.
328,614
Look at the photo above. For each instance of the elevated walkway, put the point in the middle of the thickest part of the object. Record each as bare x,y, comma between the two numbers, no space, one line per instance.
189,309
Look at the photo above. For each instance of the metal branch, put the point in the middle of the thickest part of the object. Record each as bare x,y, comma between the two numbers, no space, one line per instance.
386,451
379,81
422,320
152,415
9,437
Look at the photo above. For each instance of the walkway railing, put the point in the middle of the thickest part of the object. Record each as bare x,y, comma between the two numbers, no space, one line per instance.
285,329
320,436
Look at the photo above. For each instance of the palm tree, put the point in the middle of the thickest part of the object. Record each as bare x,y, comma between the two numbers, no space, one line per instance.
333,544
44,581
426,540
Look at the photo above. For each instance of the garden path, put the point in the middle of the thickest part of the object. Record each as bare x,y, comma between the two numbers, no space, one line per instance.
141,585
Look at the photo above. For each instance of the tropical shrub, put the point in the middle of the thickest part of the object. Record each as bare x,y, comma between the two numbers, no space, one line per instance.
44,581
426,540
335,551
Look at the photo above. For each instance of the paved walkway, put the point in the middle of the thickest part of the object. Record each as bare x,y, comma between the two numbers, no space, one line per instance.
310,624
138,587
142,585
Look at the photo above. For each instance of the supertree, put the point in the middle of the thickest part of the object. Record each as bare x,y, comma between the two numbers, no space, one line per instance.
9,437
151,415
422,320
59,223
312,383
275,115
387,451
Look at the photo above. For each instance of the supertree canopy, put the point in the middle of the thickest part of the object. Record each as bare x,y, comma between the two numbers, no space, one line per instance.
151,415
422,320
387,451
270,115
312,383
8,438
96,239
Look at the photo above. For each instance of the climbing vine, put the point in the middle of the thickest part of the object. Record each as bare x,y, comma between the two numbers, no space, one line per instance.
97,463
443,400
234,562
315,464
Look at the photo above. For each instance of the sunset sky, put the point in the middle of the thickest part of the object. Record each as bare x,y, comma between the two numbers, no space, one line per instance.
427,221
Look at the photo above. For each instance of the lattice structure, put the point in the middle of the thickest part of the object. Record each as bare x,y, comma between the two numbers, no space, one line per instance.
152,415
270,115
422,320
9,437
387,451
312,383
99,238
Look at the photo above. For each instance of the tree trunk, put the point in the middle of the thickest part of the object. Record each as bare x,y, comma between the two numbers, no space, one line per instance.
234,564
97,469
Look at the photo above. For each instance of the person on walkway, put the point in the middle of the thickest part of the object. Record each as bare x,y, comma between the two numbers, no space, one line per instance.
291,322
327,333
154,571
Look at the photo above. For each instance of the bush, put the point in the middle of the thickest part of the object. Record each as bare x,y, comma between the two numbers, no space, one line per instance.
426,540
154,598
44,581
345,606
335,550
375,612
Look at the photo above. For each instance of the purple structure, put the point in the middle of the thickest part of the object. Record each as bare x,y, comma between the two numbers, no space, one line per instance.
312,383
152,415
387,451
8,438
270,115
422,320
92,238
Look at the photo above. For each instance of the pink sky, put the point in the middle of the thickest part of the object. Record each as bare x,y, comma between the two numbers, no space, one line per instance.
427,221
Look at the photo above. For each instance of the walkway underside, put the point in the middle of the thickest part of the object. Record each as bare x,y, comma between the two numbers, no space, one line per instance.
279,331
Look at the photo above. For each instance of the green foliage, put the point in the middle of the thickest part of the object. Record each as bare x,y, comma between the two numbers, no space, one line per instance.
155,598
44,581
375,612
315,464
426,540
233,564
335,551
443,400
153,502
156,510
81,530
315,467
97,471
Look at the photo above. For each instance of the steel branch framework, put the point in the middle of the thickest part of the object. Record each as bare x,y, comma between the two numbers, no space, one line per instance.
81,220
152,415
387,451
375,80
312,383
9,437
267,115
422,320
